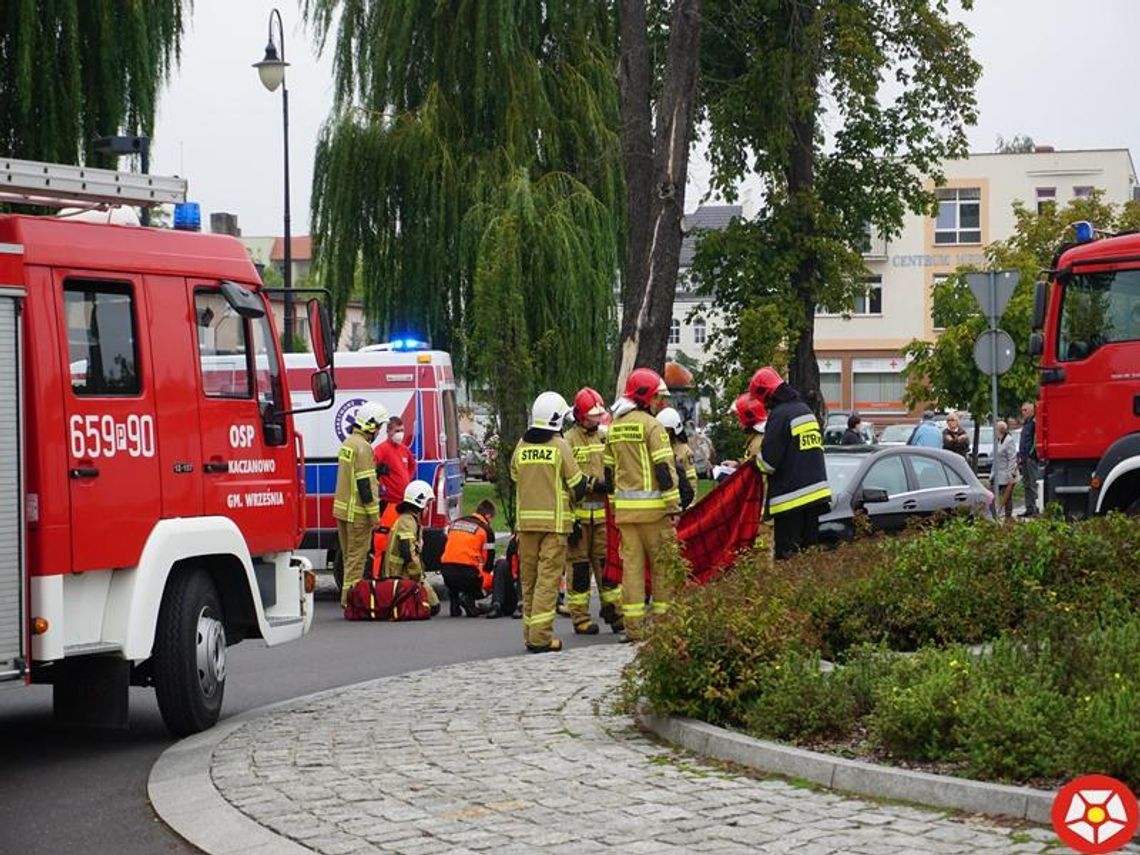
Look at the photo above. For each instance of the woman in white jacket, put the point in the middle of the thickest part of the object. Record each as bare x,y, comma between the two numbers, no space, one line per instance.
1004,471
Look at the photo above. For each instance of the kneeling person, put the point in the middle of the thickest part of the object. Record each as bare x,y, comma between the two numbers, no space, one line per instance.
468,560
404,554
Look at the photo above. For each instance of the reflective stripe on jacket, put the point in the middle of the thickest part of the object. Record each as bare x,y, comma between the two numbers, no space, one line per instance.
355,462
636,442
406,530
469,542
792,457
545,473
589,450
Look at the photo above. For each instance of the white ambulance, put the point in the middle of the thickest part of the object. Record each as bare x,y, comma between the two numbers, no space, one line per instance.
410,381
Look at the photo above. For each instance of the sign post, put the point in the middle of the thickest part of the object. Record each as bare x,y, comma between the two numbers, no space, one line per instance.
994,350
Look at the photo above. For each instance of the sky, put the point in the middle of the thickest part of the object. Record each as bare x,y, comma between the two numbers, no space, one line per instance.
1052,69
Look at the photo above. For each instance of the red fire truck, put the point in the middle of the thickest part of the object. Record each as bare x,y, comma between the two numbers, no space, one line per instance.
1087,339
150,497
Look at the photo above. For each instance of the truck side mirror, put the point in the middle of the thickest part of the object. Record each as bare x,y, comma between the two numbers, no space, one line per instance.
1040,296
320,334
1036,344
322,387
242,300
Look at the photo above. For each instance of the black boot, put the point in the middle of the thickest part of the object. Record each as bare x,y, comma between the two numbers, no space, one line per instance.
467,603
495,612
453,607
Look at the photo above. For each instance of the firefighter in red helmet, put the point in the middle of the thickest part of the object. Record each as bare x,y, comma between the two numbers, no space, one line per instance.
586,552
753,417
639,468
792,458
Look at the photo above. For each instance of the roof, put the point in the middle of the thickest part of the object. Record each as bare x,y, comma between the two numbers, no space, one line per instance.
704,218
301,248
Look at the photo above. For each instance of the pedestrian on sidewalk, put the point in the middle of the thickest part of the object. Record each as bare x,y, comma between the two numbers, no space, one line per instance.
548,480
927,433
953,437
1004,472
1027,457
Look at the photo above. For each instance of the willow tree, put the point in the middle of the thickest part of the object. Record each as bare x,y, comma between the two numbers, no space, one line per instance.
845,110
72,70
470,172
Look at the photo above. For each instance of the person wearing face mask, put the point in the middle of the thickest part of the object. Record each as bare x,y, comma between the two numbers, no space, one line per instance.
395,464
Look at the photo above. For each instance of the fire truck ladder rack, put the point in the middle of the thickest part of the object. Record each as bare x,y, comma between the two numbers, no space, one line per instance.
57,185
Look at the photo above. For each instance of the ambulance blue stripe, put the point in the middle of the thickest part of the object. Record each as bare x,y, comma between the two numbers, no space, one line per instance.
320,478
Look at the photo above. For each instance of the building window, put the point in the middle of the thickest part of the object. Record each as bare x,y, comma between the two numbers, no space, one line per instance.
870,302
959,218
831,387
879,390
674,331
700,334
1046,197
1082,192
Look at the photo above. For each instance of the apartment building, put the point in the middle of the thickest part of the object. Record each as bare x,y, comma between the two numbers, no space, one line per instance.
860,350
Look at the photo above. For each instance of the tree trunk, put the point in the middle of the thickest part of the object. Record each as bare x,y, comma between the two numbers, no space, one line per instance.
656,172
803,369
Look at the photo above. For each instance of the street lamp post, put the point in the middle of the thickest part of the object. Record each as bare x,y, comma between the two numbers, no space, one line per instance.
271,69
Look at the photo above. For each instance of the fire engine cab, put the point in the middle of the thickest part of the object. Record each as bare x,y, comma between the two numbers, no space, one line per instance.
1087,340
411,381
149,493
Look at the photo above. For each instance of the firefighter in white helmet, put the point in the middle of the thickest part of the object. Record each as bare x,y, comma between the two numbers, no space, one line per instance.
682,455
404,554
356,505
548,479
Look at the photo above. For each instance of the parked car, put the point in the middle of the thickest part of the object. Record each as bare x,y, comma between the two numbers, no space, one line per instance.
833,433
473,456
894,484
895,434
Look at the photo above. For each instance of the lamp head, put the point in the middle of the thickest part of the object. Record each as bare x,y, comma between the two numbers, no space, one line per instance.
272,68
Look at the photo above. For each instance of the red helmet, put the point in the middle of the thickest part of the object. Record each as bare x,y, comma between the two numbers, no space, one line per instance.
764,383
749,411
588,403
643,385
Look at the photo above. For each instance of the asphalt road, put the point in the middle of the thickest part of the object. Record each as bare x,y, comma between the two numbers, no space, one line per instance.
84,791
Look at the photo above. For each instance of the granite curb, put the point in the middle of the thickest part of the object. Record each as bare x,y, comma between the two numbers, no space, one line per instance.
852,776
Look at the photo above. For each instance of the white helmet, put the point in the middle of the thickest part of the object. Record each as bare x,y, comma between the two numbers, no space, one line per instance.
670,420
548,411
418,493
369,416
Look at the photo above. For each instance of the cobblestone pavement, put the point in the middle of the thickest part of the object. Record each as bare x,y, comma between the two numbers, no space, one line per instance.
525,754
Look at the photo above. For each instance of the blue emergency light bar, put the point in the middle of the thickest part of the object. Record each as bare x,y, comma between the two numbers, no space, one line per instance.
188,217
408,344
1084,231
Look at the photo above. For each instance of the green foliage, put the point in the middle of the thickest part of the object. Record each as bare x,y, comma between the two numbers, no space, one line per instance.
1052,687
74,70
943,371
770,71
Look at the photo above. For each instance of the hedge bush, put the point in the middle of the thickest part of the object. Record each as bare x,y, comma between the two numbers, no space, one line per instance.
1051,687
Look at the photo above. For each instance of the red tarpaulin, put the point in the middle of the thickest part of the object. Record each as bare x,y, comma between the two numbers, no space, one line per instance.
712,531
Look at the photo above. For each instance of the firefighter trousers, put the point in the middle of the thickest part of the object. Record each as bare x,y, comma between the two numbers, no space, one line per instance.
354,538
542,555
640,544
587,557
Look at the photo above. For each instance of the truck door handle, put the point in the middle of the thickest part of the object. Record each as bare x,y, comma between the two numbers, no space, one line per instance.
216,466
84,472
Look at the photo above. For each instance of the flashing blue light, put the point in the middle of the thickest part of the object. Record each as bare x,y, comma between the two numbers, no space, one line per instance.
408,344
188,217
1084,231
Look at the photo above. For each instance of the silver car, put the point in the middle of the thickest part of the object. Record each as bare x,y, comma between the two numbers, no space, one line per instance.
894,483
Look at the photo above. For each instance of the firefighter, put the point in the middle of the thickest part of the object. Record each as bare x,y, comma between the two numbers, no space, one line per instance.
792,458
404,555
586,550
468,560
548,479
682,455
356,507
753,418
640,469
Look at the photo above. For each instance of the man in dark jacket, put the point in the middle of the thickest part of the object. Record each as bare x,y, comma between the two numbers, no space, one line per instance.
1027,457
851,436
792,458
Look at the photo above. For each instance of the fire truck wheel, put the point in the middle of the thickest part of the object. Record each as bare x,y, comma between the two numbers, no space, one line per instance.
190,654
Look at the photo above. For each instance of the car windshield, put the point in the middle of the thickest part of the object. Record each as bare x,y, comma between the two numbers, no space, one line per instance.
896,433
841,468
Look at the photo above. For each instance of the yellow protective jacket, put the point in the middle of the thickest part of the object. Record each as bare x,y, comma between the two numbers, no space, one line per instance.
405,531
635,445
546,474
589,447
355,462
752,445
